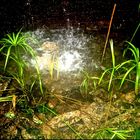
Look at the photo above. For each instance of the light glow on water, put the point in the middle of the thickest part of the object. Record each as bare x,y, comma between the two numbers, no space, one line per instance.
65,49
68,46
70,61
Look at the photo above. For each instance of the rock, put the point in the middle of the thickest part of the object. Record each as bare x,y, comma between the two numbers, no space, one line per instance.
26,135
128,97
88,117
50,46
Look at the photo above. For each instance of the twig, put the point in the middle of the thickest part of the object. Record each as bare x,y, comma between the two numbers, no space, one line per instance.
110,23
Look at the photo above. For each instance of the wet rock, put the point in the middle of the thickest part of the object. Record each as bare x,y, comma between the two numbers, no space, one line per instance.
26,135
88,117
50,46
128,97
34,134
4,83
53,102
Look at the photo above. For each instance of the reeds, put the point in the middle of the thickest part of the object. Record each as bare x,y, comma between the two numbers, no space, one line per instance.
132,66
54,65
112,70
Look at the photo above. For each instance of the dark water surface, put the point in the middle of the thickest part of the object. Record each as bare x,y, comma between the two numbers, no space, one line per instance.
15,14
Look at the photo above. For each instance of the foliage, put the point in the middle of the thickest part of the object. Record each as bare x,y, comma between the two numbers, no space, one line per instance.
11,98
124,69
137,133
132,66
136,30
84,87
7,98
112,133
112,70
13,48
10,115
54,65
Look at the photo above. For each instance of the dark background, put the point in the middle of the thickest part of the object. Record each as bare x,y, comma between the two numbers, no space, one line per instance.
32,14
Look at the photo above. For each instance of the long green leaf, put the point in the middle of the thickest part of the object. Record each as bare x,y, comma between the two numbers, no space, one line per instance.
7,57
2,48
135,53
112,52
124,63
111,77
101,78
137,84
131,45
123,79
6,41
10,39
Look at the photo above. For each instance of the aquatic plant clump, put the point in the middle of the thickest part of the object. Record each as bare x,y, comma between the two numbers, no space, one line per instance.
14,46
132,66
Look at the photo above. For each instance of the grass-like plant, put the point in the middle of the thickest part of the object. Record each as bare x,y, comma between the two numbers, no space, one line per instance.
57,67
11,98
135,32
88,80
110,71
51,67
6,99
112,133
124,69
14,46
54,65
132,66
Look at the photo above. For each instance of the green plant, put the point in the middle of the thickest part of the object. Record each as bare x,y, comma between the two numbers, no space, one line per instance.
13,48
112,70
84,85
137,133
112,133
51,67
10,115
6,99
54,65
11,98
88,80
135,32
132,66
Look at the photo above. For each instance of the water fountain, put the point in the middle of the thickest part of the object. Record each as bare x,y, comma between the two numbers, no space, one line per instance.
62,55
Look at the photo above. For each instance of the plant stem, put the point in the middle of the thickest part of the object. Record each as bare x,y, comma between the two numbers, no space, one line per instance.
110,23
135,33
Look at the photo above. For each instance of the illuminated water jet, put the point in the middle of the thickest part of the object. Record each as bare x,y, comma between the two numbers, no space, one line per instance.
66,50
